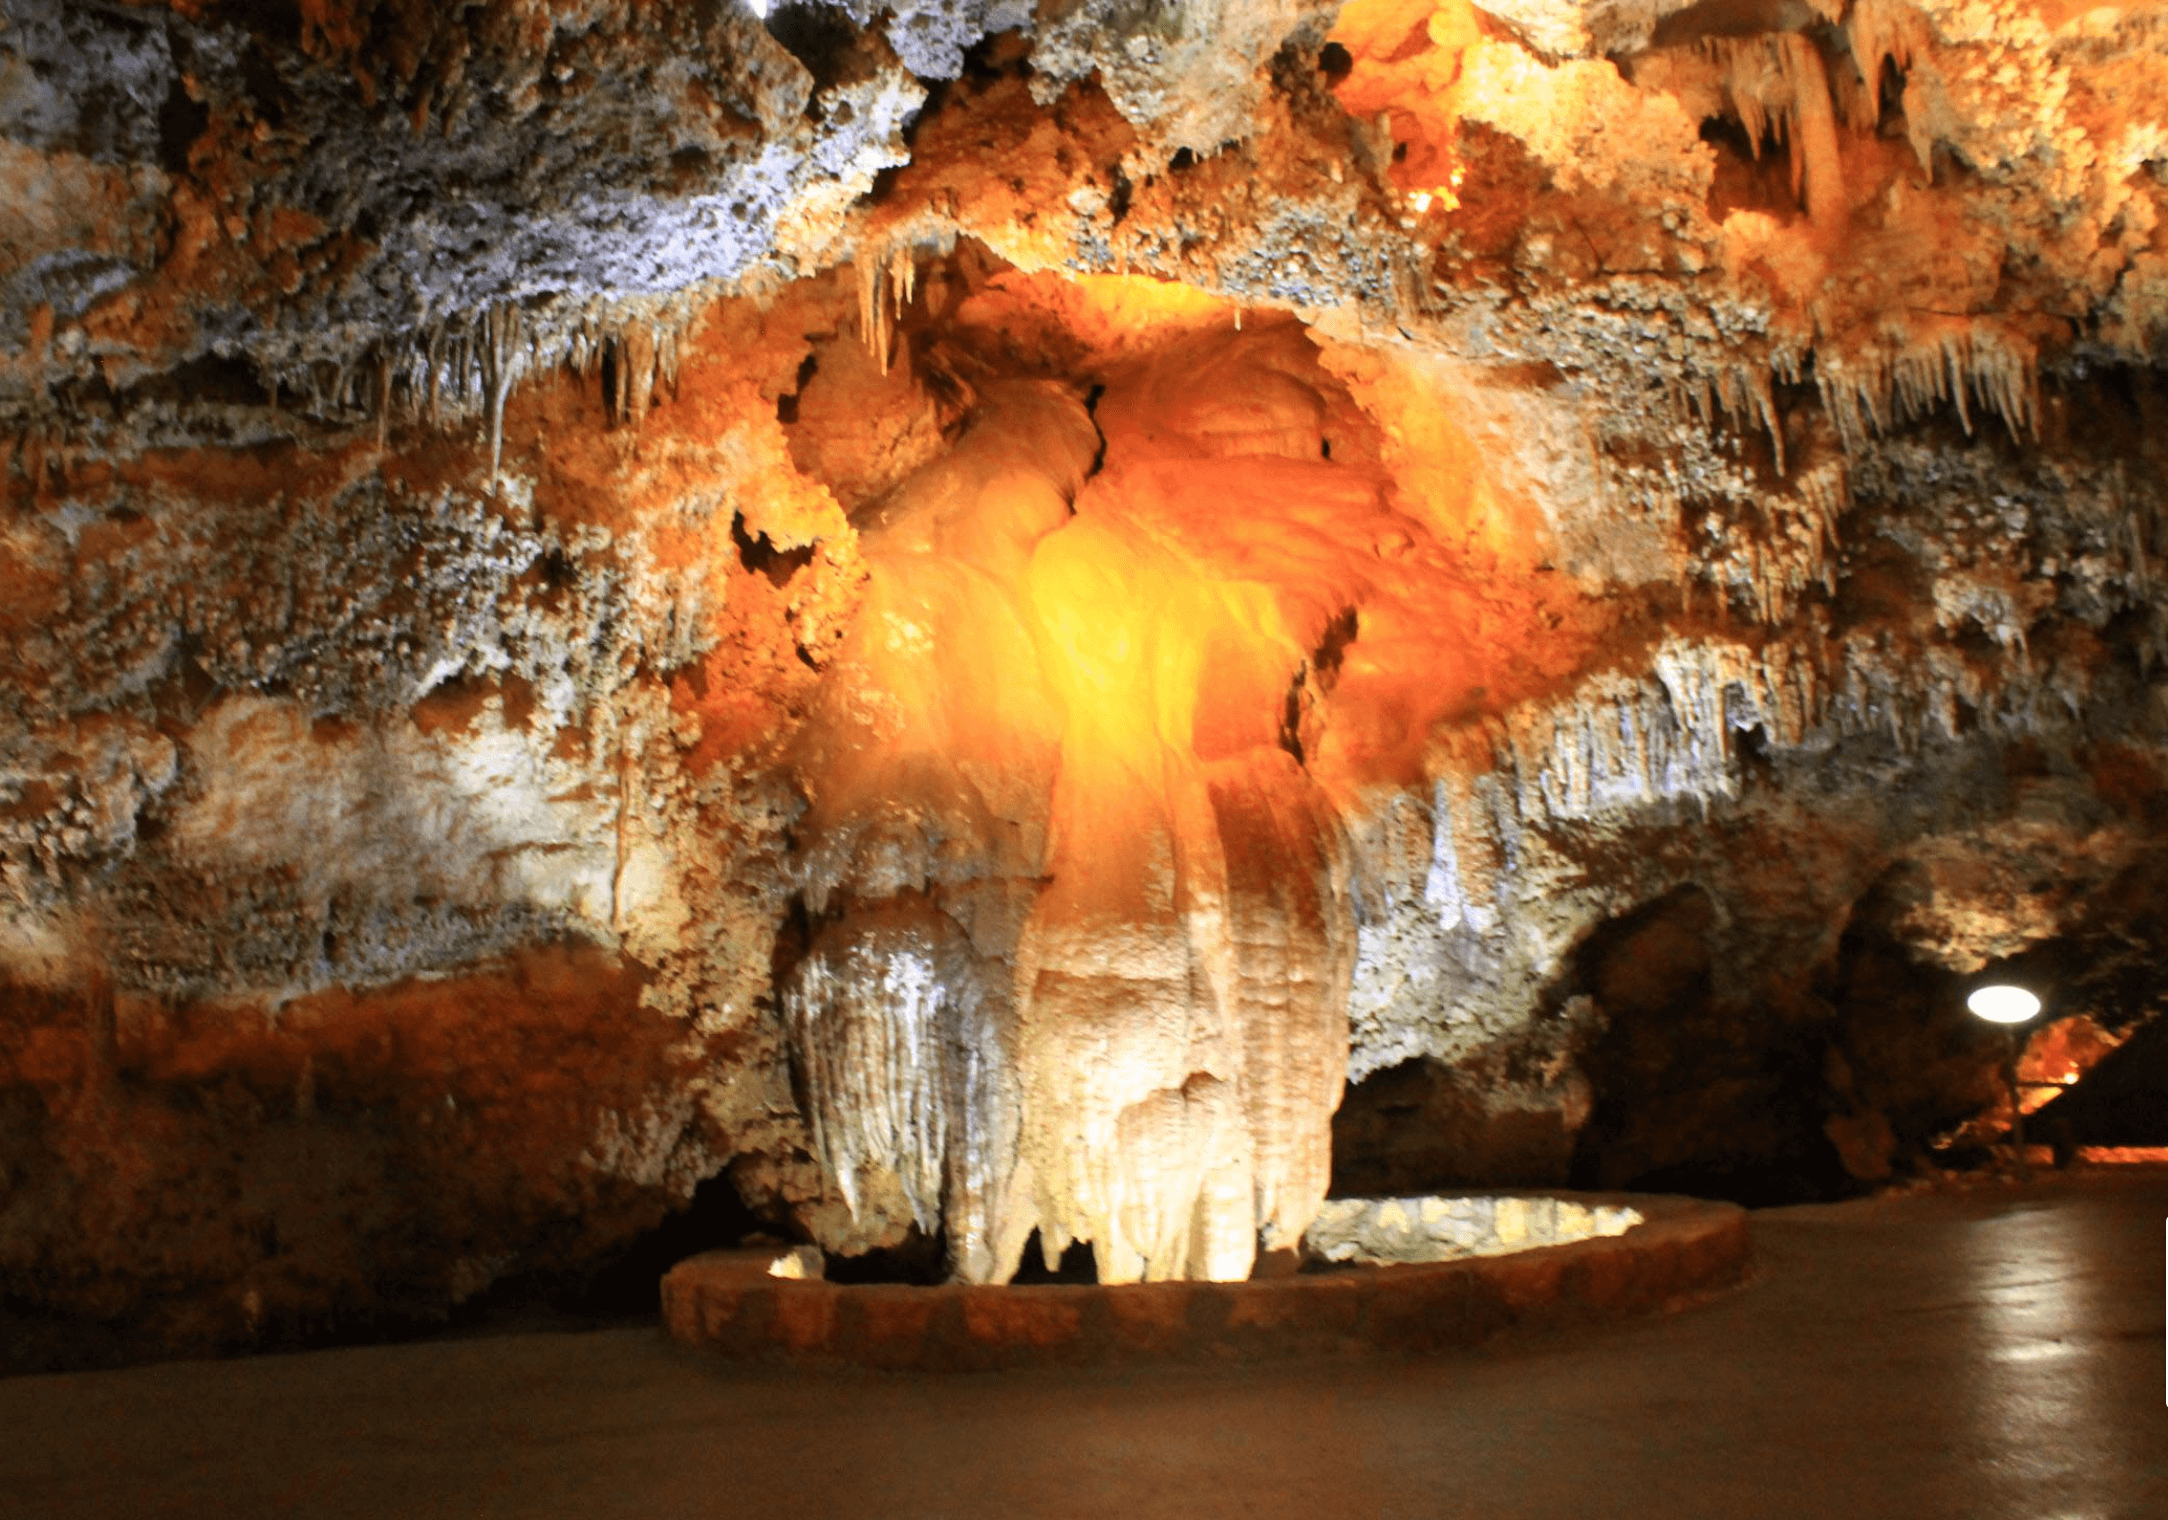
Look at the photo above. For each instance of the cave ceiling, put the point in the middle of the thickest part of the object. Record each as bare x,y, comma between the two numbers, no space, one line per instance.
977,616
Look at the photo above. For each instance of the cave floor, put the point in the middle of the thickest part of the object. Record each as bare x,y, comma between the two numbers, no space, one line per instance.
1992,1351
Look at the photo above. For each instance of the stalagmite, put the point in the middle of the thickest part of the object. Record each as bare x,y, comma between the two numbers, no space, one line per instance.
902,1032
926,829
1180,977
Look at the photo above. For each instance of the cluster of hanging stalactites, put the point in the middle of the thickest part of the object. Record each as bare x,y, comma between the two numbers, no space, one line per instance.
1976,365
888,279
462,369
1965,364
1793,549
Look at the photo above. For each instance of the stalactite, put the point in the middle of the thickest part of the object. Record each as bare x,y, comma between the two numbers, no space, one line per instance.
880,303
1744,391
1461,886
500,370
459,355
1891,33
1961,363
443,396
666,358
887,271
459,369
1620,742
1777,86
634,350
1793,549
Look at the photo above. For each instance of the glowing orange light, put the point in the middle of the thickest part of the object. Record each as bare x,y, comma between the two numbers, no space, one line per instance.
1098,650
1406,75
2064,1051
1444,196
1112,313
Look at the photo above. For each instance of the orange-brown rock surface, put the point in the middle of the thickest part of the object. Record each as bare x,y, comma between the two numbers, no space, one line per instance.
998,620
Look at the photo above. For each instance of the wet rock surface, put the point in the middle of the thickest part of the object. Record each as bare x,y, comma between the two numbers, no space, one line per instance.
1404,1231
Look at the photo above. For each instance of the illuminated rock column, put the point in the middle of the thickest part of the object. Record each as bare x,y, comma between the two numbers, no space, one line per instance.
927,762
1182,980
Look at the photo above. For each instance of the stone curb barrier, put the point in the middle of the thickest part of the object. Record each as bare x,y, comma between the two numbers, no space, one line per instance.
724,1302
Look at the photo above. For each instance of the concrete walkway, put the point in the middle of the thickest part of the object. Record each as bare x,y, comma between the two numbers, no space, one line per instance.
1988,1353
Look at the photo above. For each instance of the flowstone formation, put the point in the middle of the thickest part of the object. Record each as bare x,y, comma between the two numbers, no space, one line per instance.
1107,943
986,621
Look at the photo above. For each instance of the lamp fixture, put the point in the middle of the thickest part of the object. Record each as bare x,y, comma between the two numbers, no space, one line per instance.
2003,1004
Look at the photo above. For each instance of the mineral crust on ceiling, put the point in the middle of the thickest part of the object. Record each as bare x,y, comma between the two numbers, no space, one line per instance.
985,620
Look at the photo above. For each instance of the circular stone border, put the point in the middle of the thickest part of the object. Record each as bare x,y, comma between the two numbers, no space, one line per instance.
724,1302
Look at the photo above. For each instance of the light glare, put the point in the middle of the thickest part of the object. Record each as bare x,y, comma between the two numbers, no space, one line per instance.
2003,1005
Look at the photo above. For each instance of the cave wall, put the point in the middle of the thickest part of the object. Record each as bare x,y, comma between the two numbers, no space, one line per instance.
967,615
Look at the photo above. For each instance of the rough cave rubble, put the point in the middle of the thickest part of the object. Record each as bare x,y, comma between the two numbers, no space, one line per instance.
998,620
